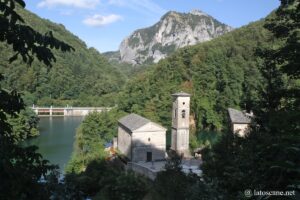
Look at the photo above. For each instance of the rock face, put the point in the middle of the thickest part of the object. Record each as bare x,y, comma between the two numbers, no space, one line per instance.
174,30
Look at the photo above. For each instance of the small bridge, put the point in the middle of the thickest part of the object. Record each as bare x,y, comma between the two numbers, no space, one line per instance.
67,111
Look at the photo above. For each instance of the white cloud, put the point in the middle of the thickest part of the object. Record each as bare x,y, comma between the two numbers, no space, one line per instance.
117,2
72,3
100,20
139,5
66,12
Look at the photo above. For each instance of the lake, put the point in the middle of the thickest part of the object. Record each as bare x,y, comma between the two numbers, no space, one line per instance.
56,138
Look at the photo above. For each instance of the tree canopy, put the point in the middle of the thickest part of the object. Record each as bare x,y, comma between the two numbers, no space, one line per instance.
77,78
21,167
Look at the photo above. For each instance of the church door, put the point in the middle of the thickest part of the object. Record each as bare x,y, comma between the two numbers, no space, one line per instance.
149,156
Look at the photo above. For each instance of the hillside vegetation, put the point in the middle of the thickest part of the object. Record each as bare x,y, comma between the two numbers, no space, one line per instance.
219,74
249,68
79,77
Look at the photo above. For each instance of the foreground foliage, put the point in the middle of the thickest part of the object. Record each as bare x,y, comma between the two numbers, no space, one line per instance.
76,78
108,180
22,167
268,158
24,125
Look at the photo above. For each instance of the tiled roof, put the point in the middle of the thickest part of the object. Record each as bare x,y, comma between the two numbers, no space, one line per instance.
237,116
133,121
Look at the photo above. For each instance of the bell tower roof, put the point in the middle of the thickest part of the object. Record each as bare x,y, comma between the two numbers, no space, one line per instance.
181,94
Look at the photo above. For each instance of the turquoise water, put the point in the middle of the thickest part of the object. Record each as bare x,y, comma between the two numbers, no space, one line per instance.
56,138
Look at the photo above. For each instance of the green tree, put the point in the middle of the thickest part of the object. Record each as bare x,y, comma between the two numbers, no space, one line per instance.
24,125
21,168
95,130
173,183
268,157
107,180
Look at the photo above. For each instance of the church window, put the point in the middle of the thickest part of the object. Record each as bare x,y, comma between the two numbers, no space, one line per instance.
183,103
175,113
149,139
183,113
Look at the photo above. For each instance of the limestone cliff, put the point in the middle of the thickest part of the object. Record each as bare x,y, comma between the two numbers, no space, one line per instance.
174,30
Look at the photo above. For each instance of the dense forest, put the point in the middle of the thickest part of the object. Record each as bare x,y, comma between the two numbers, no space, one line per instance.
254,68
219,74
77,78
249,68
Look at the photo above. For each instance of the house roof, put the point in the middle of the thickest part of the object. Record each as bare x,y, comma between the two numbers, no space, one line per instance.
237,116
133,121
181,94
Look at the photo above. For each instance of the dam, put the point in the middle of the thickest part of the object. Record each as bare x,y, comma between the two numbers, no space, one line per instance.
67,111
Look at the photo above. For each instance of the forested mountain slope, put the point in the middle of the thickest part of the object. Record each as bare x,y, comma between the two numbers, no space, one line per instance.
219,74
82,75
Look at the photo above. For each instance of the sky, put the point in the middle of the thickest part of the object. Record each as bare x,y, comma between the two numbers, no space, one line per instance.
103,24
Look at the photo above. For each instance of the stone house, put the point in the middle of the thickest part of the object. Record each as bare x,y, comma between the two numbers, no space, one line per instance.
140,139
239,121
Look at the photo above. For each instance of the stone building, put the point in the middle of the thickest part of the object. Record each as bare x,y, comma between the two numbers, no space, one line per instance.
239,121
140,139
180,123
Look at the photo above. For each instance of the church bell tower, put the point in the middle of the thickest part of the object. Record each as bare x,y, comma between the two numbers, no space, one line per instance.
180,123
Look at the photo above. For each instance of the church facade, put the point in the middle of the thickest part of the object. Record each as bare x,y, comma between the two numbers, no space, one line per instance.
140,139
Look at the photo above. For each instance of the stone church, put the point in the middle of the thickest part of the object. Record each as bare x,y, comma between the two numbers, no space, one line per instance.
140,139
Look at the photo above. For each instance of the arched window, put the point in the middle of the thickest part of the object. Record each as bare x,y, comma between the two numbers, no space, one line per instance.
183,113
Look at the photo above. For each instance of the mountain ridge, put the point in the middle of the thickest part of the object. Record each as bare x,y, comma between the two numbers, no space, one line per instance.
173,31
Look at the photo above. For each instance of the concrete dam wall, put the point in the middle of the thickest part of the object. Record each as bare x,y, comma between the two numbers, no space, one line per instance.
67,111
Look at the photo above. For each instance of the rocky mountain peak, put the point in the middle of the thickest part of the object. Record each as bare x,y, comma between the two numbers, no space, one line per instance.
198,12
173,31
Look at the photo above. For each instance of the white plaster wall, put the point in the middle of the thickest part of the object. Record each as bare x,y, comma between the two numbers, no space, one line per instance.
124,142
173,139
182,140
181,103
180,125
141,145
240,129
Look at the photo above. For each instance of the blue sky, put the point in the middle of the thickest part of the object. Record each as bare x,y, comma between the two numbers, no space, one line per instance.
103,24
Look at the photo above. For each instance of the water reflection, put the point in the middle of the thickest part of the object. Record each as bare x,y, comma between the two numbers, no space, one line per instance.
56,138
